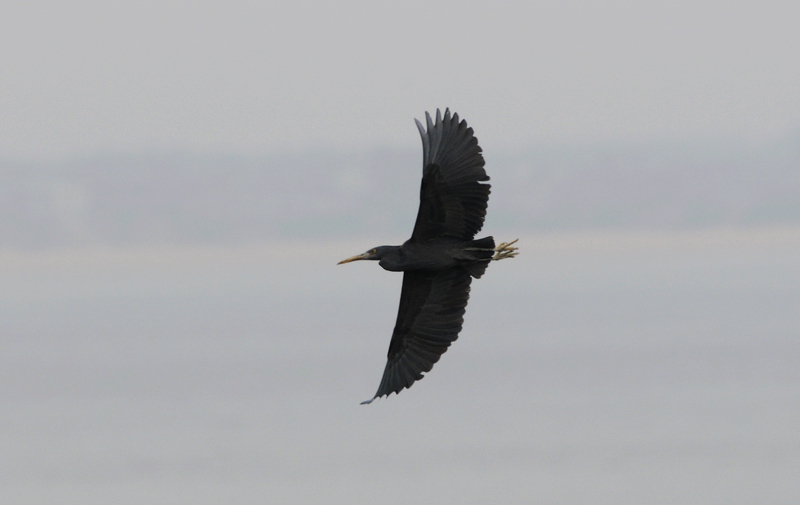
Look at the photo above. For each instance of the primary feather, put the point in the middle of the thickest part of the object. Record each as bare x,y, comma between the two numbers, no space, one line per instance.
452,199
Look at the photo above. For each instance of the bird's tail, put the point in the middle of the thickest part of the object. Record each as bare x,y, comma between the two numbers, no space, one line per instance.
483,248
481,251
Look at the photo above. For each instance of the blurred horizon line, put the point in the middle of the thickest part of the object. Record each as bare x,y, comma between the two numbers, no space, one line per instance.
738,142
532,244
184,198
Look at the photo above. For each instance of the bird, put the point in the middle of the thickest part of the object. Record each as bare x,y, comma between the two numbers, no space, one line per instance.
442,256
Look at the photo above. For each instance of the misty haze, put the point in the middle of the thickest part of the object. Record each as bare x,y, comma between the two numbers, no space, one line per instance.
179,180
186,199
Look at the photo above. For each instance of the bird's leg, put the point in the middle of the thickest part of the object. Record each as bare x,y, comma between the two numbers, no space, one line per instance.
504,250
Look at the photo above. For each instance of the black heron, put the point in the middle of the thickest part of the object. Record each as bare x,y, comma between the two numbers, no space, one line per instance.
441,257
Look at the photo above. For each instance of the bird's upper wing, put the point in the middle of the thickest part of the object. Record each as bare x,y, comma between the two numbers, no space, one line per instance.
452,199
431,313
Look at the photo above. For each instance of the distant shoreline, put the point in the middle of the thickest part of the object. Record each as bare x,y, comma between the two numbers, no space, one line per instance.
567,243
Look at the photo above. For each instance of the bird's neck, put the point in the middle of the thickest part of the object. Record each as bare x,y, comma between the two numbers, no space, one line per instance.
392,259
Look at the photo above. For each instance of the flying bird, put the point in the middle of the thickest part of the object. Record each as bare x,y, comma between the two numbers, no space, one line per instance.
442,256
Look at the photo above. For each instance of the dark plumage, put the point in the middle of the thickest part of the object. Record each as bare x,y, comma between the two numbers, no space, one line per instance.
441,257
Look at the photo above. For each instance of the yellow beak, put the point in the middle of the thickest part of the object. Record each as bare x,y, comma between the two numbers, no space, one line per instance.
354,258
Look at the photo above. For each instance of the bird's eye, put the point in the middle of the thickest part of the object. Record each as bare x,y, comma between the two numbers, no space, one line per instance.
374,251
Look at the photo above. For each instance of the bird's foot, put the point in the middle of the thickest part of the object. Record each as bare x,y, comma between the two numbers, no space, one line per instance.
504,250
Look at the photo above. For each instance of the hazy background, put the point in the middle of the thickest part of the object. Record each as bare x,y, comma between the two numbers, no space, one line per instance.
178,180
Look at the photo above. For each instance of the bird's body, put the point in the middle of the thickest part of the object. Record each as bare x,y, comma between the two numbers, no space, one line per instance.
435,254
441,257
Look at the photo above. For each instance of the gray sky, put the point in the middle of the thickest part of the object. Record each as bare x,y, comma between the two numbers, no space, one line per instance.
257,77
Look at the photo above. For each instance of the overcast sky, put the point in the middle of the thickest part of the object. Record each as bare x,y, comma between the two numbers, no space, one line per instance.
84,77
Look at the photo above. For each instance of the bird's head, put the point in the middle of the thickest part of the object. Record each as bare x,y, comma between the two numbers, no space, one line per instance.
376,253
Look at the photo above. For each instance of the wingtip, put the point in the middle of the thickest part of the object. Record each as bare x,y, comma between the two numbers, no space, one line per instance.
440,119
367,402
420,127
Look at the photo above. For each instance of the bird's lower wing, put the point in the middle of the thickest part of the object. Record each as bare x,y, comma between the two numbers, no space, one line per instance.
431,314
